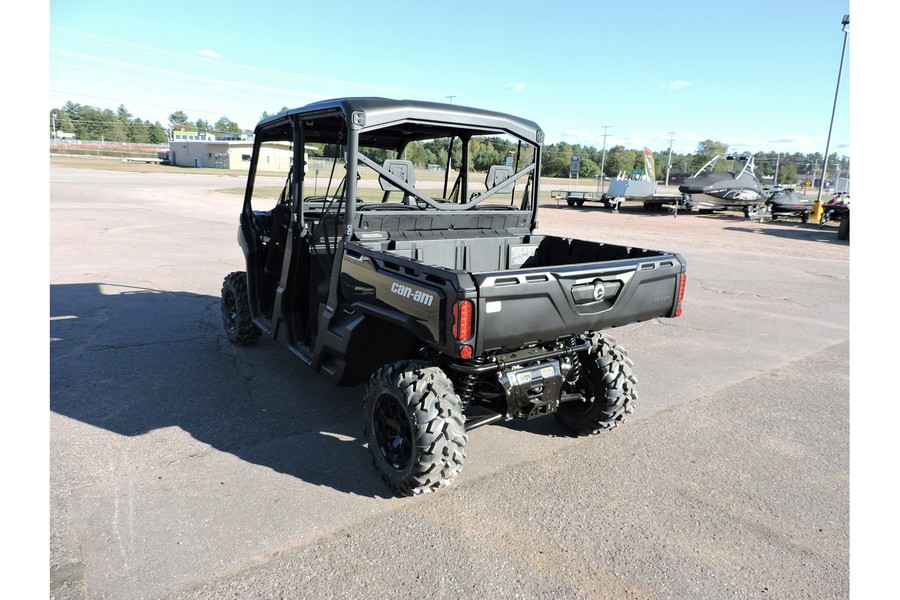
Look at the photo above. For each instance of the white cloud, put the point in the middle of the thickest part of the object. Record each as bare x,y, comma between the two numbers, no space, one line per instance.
516,86
799,142
675,85
209,54
796,140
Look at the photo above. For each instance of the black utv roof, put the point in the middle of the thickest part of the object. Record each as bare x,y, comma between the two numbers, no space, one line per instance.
420,120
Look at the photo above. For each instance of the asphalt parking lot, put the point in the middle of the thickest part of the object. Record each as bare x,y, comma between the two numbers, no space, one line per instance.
184,467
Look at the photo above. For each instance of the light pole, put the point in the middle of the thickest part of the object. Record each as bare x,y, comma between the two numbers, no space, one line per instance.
669,164
603,156
845,27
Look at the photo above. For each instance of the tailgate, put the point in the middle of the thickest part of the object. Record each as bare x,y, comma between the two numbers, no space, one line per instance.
541,304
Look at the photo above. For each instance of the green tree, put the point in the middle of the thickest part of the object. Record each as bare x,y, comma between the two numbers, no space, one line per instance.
179,120
834,167
765,163
843,166
439,150
60,122
706,150
226,125
812,166
418,154
587,168
618,159
158,134
123,115
81,117
90,123
556,160
378,155
112,128
787,174
485,155
709,148
138,132
676,166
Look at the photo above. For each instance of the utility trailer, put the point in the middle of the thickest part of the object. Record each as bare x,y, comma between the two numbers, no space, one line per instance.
666,201
615,201
640,189
639,186
574,198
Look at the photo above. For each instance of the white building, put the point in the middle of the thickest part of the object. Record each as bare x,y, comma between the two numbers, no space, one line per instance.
232,155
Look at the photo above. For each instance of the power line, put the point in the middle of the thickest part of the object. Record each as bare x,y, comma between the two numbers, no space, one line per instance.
115,122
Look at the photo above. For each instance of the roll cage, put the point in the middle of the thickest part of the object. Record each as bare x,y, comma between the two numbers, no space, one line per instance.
364,131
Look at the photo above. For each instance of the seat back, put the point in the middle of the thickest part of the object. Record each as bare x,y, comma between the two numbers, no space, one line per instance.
402,170
497,177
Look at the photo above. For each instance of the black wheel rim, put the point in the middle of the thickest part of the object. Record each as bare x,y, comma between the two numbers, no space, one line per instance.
393,433
229,311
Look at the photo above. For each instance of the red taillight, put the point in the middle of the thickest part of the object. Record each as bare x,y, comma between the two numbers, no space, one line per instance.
680,295
462,320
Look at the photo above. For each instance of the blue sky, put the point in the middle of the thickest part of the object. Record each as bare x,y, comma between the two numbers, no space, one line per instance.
754,75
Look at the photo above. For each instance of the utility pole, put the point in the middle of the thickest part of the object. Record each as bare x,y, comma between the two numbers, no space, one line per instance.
845,27
451,97
669,165
603,156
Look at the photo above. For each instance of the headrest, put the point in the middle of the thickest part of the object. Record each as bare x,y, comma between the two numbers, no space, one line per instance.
401,169
497,175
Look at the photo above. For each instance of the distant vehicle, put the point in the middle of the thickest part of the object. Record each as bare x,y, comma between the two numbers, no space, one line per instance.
838,208
787,202
726,190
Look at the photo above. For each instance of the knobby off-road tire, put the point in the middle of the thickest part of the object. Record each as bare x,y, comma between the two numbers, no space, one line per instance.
236,310
844,229
608,379
415,427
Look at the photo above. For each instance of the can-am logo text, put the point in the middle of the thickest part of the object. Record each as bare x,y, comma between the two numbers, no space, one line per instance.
415,295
